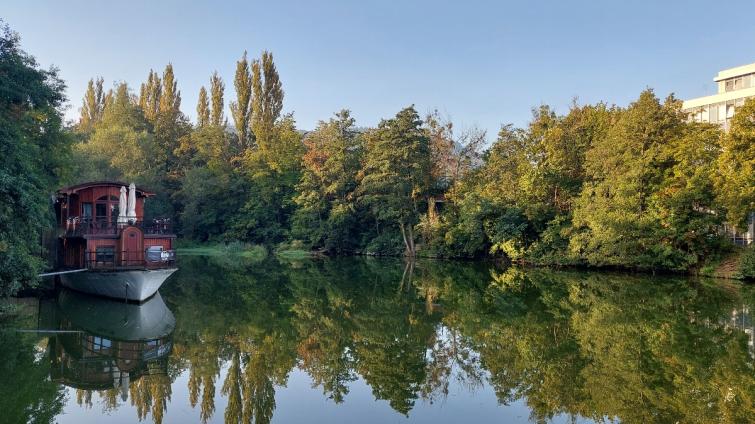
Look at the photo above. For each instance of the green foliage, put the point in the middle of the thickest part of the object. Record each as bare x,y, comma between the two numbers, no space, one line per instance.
203,108
217,88
736,166
747,263
34,151
267,100
647,203
639,187
325,216
94,105
395,175
241,108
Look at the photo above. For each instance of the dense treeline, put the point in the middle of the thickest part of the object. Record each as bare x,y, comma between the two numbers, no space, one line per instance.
637,187
33,150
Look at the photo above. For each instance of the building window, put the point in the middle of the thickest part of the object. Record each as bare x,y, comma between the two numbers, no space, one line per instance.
729,110
105,254
729,85
713,114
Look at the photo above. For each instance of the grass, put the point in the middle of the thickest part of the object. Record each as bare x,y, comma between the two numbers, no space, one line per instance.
294,249
243,250
293,254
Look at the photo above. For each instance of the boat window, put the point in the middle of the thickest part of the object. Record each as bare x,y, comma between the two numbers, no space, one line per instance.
105,254
113,212
86,210
154,253
108,198
101,210
99,343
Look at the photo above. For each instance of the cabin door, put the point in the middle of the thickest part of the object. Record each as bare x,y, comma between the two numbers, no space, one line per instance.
132,247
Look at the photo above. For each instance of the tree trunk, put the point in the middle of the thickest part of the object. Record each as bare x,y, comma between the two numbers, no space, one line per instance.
408,235
403,235
431,215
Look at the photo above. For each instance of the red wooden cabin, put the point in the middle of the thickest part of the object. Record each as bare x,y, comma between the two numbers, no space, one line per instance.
94,233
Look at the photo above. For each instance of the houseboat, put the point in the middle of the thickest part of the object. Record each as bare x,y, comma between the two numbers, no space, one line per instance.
105,243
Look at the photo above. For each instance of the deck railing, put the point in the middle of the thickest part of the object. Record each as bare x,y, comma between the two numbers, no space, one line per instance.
109,259
77,226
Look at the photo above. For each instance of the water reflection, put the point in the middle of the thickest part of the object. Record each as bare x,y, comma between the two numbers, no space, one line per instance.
116,349
547,345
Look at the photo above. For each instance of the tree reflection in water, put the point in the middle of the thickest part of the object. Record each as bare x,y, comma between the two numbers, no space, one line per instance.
599,346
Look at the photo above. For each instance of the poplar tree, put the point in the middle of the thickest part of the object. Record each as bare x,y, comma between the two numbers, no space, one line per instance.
94,103
170,100
149,96
268,98
240,109
203,109
217,87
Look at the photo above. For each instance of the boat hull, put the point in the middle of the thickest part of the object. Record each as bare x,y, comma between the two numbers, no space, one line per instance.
134,285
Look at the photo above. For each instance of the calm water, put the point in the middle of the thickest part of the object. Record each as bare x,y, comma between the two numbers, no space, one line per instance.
376,341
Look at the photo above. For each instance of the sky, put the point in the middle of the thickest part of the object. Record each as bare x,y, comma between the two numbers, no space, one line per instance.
480,63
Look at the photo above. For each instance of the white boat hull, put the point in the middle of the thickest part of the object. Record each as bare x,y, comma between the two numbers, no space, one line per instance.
134,285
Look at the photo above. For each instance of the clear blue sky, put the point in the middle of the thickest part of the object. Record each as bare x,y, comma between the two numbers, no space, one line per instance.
481,63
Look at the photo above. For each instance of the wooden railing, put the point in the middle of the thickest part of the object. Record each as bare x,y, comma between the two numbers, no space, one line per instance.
100,226
106,259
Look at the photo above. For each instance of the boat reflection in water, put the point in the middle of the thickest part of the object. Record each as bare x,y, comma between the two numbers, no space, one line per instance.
104,344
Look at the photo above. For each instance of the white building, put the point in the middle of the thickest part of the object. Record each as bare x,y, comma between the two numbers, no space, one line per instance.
735,85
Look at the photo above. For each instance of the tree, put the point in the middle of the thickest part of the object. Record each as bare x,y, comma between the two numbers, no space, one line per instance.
395,176
149,96
268,99
203,109
33,155
170,128
217,88
325,214
170,98
241,108
94,104
121,146
735,182
271,175
616,220
686,199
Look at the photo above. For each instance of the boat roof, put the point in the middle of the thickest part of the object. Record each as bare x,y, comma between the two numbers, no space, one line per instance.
78,187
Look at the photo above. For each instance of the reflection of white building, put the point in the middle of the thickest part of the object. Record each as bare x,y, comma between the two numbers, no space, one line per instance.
741,319
735,85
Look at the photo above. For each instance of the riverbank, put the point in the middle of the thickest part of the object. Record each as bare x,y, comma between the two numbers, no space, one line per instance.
735,264
739,264
244,250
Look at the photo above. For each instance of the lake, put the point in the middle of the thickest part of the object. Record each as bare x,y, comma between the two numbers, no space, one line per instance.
368,340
